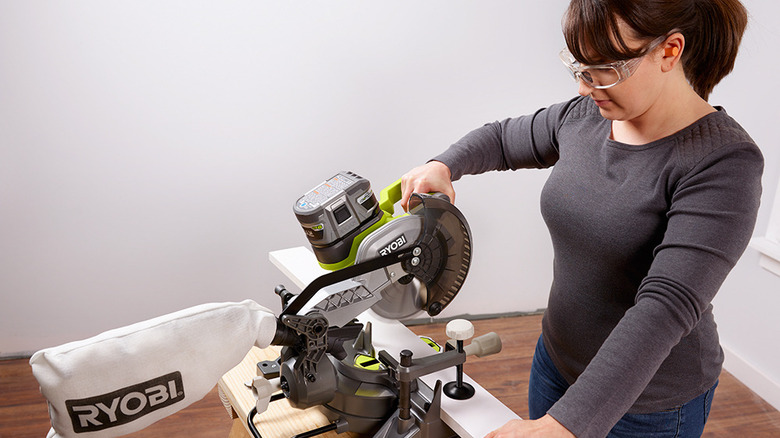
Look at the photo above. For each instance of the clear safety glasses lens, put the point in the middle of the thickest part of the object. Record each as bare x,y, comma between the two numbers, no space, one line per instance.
596,76
606,75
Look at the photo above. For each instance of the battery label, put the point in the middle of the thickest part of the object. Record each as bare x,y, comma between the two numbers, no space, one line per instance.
325,191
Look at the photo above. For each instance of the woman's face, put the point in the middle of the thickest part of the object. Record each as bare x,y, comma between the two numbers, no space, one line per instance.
633,97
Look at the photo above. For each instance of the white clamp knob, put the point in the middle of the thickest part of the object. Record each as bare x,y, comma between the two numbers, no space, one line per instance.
460,329
262,390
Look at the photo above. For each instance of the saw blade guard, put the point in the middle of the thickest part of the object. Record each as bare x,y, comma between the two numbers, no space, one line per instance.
446,249
443,239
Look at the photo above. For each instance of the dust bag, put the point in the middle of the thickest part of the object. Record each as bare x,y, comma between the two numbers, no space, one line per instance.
123,380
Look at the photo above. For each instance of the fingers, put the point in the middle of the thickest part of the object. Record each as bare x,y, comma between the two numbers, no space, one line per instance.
546,427
450,192
433,176
406,192
512,429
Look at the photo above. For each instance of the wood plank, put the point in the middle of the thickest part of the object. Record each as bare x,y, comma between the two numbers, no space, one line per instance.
23,410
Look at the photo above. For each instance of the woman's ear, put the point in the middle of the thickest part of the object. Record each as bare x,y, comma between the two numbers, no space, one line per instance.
672,51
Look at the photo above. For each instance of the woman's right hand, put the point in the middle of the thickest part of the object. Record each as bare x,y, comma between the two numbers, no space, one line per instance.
433,176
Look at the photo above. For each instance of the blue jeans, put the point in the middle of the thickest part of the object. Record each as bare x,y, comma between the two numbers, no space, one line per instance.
547,385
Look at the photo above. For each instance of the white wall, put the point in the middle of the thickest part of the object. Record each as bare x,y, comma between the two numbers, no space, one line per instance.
746,307
150,152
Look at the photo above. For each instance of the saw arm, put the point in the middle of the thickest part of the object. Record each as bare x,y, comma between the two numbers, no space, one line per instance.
350,291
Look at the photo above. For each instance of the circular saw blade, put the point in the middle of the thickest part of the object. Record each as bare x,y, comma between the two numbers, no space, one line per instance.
401,301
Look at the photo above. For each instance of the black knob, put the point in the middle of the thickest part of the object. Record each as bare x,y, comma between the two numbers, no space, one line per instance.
435,308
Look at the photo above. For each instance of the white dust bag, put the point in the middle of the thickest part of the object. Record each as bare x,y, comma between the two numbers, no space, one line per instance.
123,380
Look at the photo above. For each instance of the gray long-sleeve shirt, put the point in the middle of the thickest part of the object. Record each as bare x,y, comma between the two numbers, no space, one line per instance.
643,237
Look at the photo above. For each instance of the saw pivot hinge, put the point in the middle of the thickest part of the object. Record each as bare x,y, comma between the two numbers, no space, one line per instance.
307,374
314,330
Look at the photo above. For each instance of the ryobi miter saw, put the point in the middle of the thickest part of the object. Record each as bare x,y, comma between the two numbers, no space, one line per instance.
395,266
379,268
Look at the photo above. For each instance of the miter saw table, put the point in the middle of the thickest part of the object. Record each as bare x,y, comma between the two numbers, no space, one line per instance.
474,417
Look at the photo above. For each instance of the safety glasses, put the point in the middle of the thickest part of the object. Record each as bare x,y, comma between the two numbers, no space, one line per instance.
604,76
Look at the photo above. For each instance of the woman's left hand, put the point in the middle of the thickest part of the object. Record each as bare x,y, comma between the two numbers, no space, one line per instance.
546,426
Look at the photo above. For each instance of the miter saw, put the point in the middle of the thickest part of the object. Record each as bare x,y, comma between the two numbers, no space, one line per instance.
395,266
125,379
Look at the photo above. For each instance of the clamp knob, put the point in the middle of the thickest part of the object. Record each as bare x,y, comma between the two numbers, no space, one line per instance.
460,329
262,390
484,345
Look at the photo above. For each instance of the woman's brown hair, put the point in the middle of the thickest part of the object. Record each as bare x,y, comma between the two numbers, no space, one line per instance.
712,29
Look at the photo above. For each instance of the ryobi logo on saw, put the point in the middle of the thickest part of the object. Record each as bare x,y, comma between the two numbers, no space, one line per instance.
126,404
393,246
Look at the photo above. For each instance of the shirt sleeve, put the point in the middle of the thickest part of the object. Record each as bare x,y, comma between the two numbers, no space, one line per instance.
528,141
710,221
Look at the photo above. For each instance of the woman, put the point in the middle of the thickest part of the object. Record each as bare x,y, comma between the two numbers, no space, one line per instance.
651,200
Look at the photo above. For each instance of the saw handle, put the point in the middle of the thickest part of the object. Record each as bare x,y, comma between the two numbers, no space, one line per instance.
389,196
392,194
